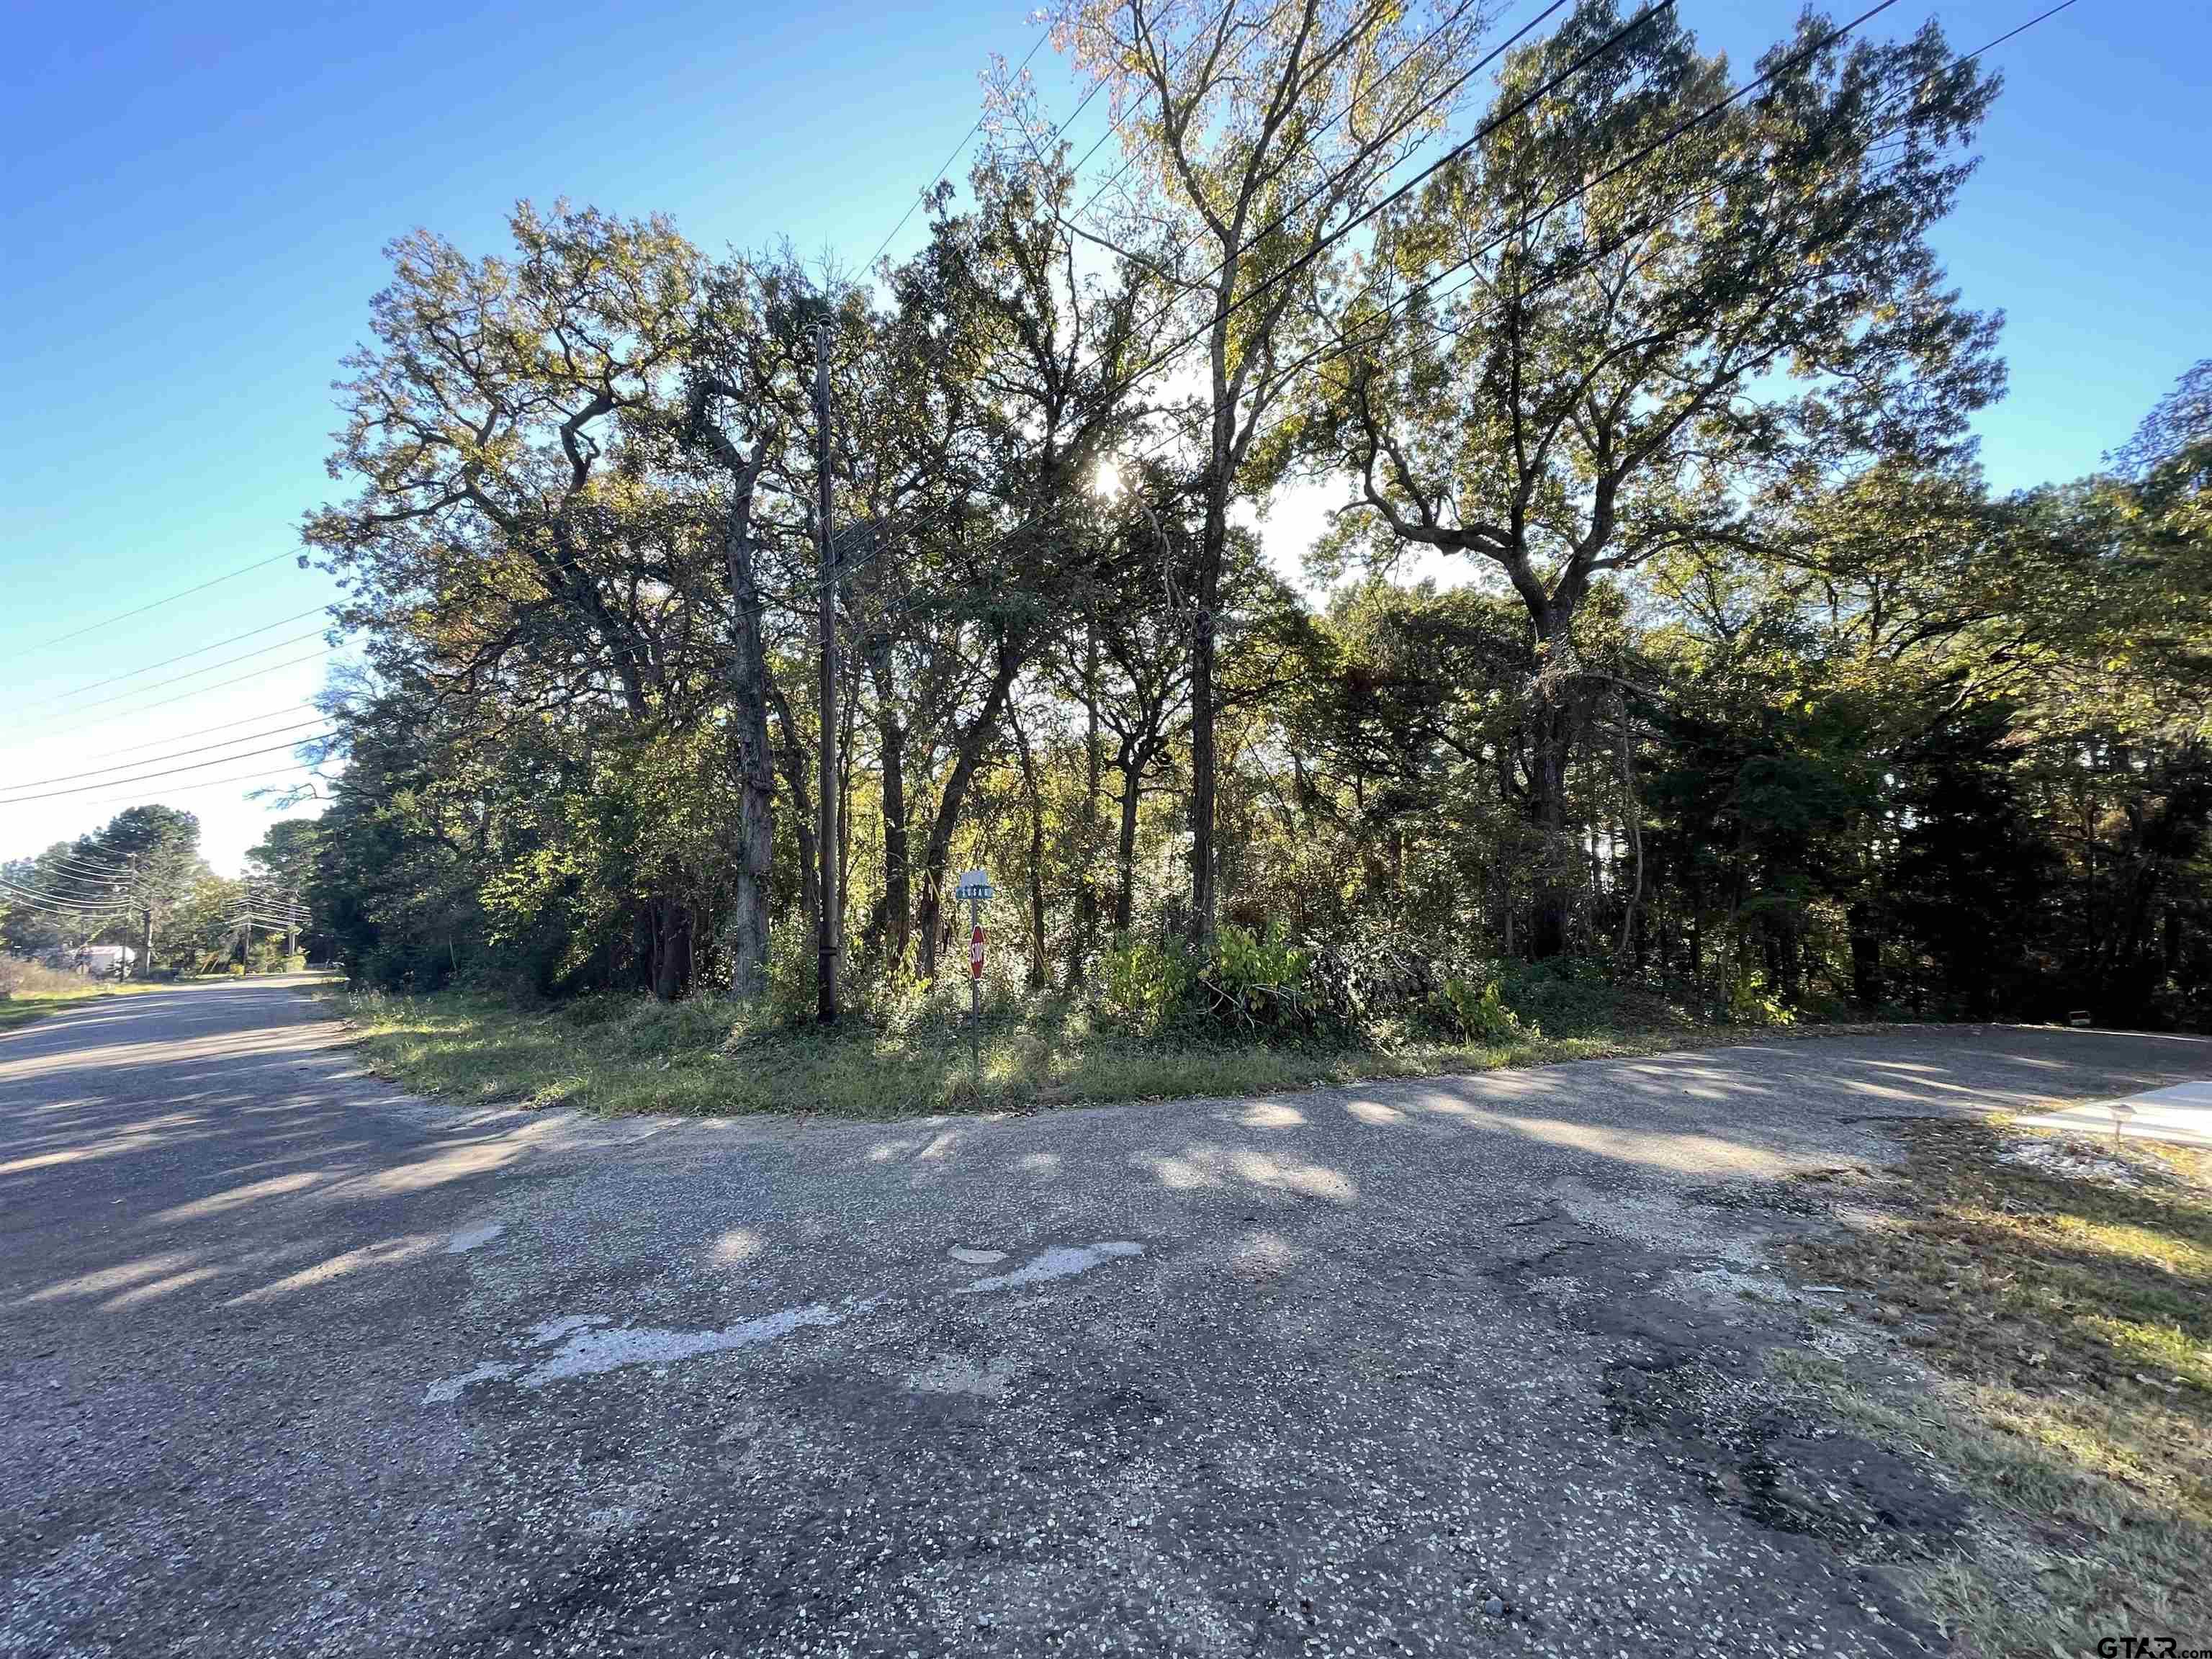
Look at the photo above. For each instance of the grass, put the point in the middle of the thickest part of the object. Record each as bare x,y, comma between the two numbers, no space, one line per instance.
707,1055
28,991
2063,1330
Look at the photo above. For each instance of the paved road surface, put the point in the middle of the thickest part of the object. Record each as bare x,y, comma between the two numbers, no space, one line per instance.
290,1363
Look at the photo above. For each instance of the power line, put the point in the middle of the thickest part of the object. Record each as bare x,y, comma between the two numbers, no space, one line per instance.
145,777
226,726
90,865
242,656
163,702
1673,134
1327,121
1158,359
134,673
125,616
1115,125
155,760
1275,278
54,875
30,898
922,194
189,788
1521,228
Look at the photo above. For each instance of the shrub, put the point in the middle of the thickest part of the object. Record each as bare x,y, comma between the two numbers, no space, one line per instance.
1750,1005
1255,980
1480,1016
1566,996
1144,981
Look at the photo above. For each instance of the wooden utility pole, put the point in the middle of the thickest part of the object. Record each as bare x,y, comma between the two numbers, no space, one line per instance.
827,929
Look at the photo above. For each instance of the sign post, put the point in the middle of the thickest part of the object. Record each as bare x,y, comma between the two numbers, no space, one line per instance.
974,886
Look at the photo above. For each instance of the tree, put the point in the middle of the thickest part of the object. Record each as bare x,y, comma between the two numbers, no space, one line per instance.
1259,140
283,865
155,851
1649,350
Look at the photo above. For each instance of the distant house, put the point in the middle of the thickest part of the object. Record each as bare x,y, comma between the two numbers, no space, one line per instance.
106,961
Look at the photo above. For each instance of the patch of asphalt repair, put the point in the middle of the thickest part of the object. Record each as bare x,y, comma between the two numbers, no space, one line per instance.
1438,1367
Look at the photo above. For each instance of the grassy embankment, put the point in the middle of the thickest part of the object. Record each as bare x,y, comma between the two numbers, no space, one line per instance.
2056,1330
28,991
706,1055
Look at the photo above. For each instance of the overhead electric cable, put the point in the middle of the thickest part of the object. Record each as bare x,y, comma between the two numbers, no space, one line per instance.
922,194
125,616
1275,278
144,777
1490,124
186,696
164,662
155,760
201,731
189,788
242,656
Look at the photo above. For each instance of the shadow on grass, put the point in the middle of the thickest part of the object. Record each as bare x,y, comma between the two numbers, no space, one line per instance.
2066,1327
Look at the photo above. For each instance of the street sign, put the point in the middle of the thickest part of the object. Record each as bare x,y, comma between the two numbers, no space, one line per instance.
974,886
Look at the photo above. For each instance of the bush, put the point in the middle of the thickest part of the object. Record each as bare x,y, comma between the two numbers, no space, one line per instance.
1144,981
1749,1004
1480,1016
1256,980
1566,996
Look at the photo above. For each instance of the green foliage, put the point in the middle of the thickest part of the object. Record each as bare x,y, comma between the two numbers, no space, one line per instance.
1761,706
1255,981
1145,981
1750,1004
1480,1016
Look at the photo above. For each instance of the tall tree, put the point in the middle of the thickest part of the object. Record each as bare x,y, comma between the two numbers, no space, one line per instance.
1260,137
1647,349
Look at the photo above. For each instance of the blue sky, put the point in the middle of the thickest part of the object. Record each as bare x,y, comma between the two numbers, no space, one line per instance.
198,197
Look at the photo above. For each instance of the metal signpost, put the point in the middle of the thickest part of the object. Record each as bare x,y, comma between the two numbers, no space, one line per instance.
974,886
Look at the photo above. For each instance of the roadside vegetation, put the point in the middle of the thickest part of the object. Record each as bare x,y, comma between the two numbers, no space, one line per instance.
1733,672
29,991
1159,1026
2056,1313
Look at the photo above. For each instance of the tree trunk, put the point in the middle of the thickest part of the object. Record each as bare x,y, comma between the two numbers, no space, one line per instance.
753,763
891,741
968,756
1202,754
752,759
1867,988
671,949
793,761
1036,976
1086,890
1547,916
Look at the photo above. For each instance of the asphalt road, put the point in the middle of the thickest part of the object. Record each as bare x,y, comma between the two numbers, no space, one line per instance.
290,1363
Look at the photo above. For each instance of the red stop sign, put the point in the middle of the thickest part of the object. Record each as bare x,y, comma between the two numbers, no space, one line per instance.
975,953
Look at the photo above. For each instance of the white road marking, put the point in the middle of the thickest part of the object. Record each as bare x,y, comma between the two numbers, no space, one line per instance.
465,1242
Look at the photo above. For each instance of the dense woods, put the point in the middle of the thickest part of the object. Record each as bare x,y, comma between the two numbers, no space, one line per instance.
1663,635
